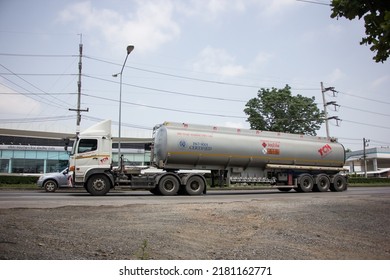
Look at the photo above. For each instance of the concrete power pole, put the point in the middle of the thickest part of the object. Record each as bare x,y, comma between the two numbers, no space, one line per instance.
78,110
326,104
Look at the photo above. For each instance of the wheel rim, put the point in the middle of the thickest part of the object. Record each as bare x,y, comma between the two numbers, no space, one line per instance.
194,186
99,185
306,183
50,186
169,185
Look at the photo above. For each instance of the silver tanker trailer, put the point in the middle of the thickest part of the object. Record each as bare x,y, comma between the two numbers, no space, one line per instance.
179,151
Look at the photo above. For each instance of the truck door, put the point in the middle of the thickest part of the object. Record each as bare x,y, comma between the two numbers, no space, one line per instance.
86,156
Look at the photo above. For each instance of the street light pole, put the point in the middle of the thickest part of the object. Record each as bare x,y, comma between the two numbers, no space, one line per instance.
129,50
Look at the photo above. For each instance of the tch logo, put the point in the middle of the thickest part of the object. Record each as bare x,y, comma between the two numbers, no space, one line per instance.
325,150
103,160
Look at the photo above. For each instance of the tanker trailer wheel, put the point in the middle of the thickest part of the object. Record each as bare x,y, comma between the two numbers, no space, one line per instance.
195,185
322,183
305,183
168,185
339,183
98,185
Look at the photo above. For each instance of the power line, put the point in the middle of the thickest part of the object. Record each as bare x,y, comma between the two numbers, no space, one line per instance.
33,96
200,96
37,93
367,124
168,91
38,119
116,123
366,111
365,98
187,77
38,55
51,101
166,109
314,2
36,74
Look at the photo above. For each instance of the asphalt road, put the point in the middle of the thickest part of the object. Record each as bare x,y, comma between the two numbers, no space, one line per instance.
41,199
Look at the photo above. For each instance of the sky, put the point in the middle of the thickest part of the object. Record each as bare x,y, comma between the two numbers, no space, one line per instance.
194,61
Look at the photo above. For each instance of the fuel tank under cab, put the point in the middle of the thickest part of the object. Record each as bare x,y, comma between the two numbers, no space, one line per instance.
180,145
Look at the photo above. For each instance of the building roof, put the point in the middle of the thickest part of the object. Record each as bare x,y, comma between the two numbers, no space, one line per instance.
60,136
376,152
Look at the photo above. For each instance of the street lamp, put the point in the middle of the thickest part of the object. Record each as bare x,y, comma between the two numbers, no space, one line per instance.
129,50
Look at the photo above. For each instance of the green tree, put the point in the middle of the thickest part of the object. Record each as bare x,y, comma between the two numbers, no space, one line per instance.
376,15
277,110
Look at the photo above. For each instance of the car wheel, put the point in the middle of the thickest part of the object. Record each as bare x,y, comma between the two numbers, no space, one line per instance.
50,185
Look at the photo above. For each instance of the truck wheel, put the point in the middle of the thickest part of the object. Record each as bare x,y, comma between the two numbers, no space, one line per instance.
305,183
98,185
195,186
50,186
322,183
339,183
168,185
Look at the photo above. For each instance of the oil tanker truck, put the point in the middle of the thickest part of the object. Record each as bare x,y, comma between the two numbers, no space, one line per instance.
183,153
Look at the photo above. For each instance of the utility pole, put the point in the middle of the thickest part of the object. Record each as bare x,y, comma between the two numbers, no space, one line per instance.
78,110
326,104
365,144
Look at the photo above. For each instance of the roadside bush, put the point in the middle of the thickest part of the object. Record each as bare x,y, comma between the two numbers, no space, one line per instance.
18,180
363,180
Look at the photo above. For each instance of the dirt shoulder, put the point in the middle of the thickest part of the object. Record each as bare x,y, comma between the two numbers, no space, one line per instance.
279,228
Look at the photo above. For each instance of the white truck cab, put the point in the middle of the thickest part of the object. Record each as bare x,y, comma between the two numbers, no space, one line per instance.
92,152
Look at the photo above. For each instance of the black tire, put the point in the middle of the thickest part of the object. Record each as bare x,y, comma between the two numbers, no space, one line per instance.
322,183
98,185
305,183
168,185
284,189
195,186
50,185
339,183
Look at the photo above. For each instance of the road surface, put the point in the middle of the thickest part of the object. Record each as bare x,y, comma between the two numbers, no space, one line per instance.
61,198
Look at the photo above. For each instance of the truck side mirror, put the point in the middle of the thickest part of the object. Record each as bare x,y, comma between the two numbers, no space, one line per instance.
66,142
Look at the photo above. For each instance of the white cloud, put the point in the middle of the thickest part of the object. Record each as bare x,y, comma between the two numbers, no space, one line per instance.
149,27
336,75
17,104
380,81
335,28
209,10
276,7
218,61
263,57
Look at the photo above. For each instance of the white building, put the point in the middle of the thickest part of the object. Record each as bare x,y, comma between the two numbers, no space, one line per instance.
377,162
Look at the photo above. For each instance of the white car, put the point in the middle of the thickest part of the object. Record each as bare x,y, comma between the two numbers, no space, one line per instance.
52,181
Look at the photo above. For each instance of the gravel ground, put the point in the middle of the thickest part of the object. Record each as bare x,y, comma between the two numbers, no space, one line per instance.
279,228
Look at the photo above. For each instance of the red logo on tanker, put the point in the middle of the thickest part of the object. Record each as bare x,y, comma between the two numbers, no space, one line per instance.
325,150
270,147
